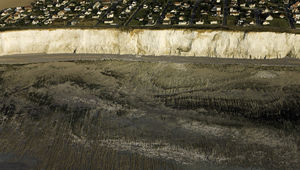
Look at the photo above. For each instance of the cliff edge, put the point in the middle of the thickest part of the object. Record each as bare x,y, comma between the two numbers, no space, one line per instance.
208,43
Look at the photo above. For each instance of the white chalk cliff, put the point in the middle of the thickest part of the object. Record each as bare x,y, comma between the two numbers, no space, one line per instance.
223,44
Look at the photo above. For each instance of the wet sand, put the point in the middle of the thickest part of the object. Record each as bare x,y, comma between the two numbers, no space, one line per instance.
149,115
43,58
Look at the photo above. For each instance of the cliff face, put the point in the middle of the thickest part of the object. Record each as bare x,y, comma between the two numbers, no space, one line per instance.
223,44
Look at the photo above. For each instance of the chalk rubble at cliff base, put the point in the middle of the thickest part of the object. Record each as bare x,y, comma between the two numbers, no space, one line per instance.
207,43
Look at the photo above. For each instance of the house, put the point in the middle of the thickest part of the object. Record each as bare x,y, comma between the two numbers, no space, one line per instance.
18,8
296,16
77,8
47,22
34,22
96,5
64,2
200,22
236,13
4,14
150,23
181,18
40,17
134,3
266,23
213,22
252,23
182,23
95,16
240,22
295,5
169,15
166,22
252,6
61,13
105,7
177,3
28,9
67,9
74,22
87,13
2,25
54,16
82,3
145,6
282,16
186,5
298,22
16,16
108,22
269,18
167,19
156,10
261,2
219,10
174,11
110,15
127,10
266,10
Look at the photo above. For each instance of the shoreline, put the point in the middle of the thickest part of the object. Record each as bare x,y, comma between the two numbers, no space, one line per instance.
45,58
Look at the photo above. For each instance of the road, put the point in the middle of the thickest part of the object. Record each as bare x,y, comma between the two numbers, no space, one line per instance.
42,58
225,12
193,13
257,18
289,17
163,13
134,13
113,6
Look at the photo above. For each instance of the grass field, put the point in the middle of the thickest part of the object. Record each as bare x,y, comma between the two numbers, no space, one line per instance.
14,3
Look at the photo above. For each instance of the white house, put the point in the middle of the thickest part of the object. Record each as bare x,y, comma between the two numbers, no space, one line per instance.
96,5
200,22
213,22
182,23
266,23
110,15
269,18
